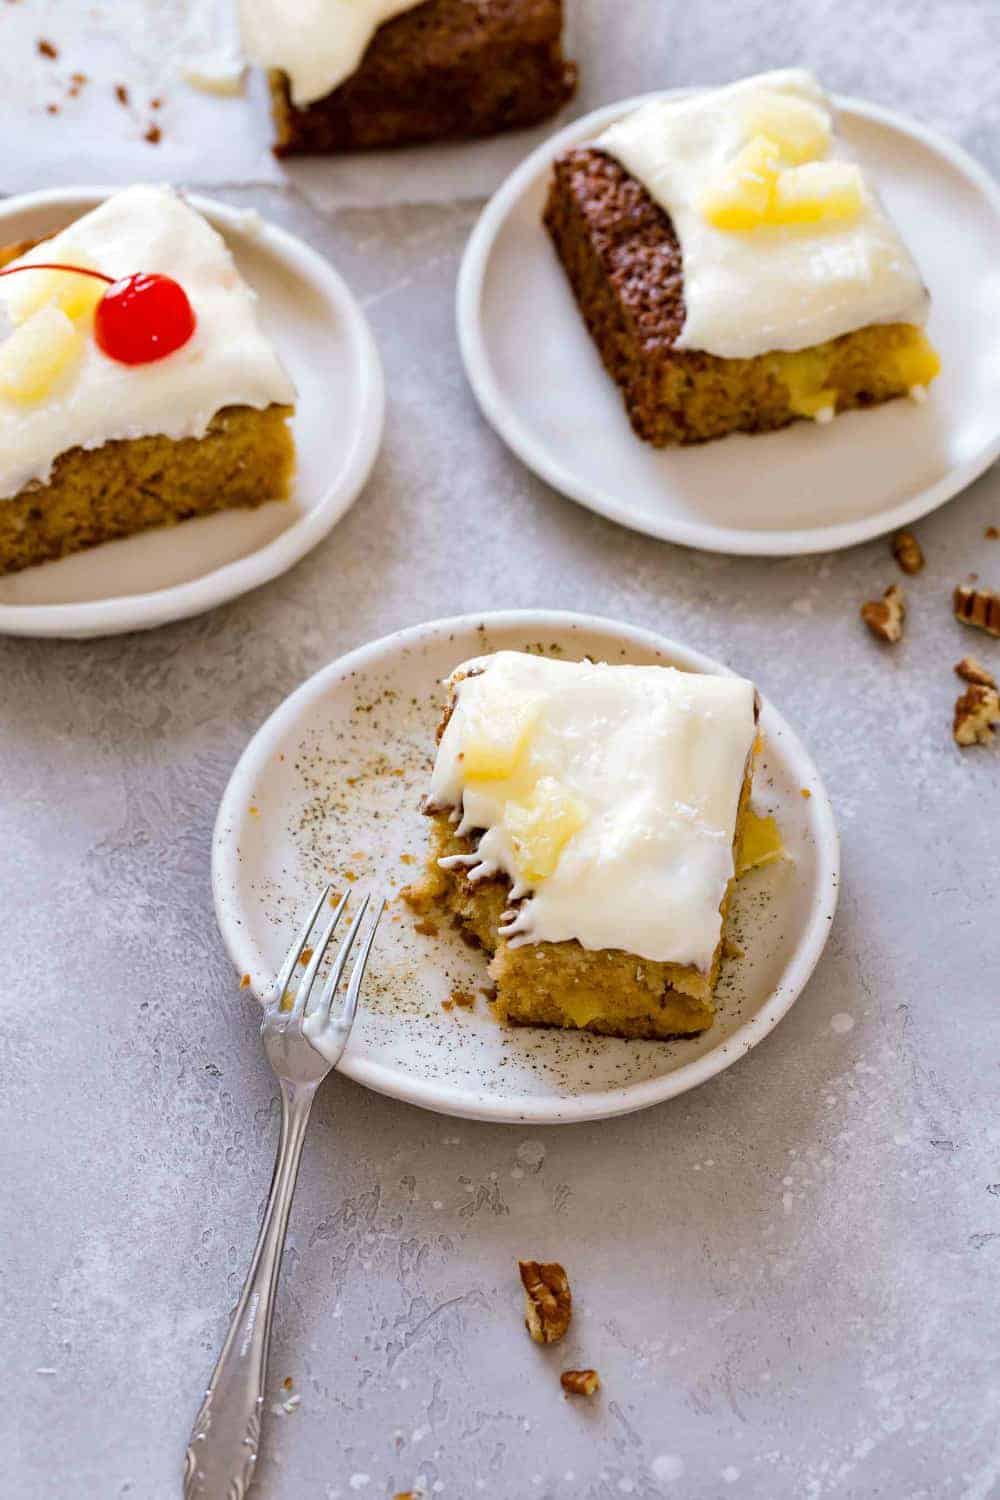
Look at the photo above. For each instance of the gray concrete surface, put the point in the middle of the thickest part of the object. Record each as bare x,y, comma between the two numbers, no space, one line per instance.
786,1279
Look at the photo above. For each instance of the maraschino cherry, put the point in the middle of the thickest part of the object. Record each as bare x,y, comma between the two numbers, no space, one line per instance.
139,319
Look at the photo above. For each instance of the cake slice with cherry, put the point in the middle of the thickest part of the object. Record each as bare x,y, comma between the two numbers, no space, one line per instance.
137,387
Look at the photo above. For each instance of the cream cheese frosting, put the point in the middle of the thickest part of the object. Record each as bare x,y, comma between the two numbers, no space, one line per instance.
317,43
778,286
608,795
227,362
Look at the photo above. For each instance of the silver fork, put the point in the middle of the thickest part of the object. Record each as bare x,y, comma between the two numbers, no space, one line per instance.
303,1042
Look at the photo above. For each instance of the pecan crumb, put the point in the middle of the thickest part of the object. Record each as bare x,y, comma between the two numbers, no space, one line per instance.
245,982
580,1382
978,607
976,712
884,617
907,552
46,49
548,1302
991,533
121,93
972,670
153,135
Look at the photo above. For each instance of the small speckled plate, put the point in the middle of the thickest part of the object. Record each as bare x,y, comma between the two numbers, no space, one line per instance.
539,380
330,790
167,574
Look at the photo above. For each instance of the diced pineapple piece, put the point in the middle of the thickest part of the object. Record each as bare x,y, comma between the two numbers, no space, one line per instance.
542,826
78,296
804,374
761,843
740,198
800,129
37,353
820,192
492,747
918,362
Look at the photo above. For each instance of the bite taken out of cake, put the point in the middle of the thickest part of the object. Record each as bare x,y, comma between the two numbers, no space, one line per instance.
734,265
136,385
353,75
588,824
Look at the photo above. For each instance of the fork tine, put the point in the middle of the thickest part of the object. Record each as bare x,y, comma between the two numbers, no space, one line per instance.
346,1018
318,954
321,1012
294,953
333,982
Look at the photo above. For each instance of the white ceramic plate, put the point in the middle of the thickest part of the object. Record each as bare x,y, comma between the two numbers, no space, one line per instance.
330,789
326,344
540,382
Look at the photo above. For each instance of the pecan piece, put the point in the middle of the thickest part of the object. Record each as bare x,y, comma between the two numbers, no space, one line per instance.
976,712
580,1382
908,552
978,607
884,617
971,670
548,1302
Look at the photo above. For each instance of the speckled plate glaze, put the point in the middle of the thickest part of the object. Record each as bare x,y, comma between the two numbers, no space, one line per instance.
540,382
167,574
330,789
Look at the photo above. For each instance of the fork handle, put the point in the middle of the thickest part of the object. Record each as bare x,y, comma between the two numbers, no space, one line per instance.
224,1443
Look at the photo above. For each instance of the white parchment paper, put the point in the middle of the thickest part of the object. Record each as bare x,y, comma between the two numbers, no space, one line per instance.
131,53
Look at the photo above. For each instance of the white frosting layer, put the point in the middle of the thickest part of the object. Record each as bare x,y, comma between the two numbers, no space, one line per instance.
318,43
653,760
227,361
777,287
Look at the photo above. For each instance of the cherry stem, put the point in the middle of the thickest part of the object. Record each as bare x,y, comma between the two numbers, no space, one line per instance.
48,265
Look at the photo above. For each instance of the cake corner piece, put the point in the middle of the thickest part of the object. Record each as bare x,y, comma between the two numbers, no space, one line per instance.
412,72
695,364
108,403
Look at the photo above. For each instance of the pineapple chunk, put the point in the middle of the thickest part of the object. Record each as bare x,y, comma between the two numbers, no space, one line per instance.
800,129
492,747
804,374
37,353
820,192
741,196
917,363
761,843
542,826
77,296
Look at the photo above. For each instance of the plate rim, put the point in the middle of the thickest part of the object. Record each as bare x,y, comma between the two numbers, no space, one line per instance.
119,613
730,541
393,1082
